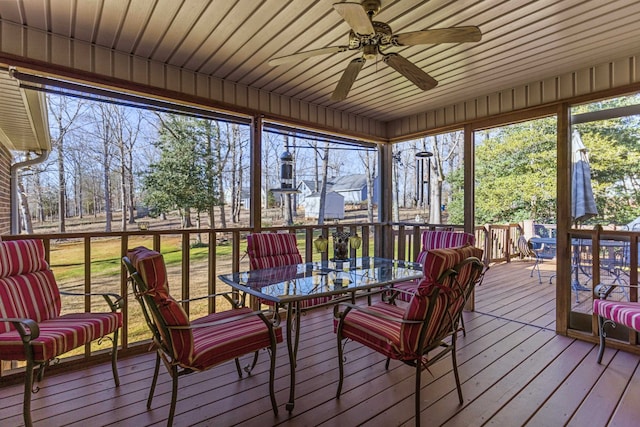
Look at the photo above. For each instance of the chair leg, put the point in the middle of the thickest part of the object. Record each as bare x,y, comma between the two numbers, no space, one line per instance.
386,365
456,375
114,359
154,381
536,268
255,361
603,335
28,385
238,367
174,394
417,391
340,361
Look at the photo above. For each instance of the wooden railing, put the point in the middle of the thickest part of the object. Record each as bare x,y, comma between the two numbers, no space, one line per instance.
91,262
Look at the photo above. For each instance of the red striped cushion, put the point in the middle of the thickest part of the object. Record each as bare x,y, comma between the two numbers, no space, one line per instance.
381,335
173,314
60,335
152,269
272,250
33,296
216,344
443,239
448,302
150,265
268,250
21,256
623,313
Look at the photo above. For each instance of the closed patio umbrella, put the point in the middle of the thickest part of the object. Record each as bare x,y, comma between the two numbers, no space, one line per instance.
583,204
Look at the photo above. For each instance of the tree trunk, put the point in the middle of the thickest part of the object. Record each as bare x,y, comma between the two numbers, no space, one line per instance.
370,172
323,190
395,190
131,187
62,188
186,219
123,186
105,176
24,205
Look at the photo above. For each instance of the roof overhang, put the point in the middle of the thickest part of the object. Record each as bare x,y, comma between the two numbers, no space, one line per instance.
24,125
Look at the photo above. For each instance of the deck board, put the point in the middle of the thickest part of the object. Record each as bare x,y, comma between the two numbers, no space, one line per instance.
514,369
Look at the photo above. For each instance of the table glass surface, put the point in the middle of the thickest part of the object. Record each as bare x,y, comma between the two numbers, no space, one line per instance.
302,281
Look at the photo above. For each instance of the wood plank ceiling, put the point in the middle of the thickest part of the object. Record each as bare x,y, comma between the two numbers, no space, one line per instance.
523,41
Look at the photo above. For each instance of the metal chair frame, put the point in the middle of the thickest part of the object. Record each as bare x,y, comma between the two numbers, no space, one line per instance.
445,340
161,338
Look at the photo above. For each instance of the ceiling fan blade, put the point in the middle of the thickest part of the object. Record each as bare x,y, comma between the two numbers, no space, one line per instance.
356,17
443,35
346,81
308,54
408,69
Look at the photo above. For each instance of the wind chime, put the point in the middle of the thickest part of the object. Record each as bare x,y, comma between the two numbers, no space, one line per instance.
423,182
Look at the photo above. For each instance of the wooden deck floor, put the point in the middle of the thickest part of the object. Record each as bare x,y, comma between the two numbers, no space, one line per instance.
514,368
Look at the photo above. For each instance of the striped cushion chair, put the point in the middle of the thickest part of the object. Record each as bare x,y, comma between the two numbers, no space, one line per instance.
193,346
612,313
428,323
433,240
267,250
31,326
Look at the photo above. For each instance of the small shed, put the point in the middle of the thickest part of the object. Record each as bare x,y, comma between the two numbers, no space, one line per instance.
333,206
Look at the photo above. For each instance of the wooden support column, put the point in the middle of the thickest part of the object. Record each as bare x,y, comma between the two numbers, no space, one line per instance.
469,192
255,216
384,239
469,179
563,240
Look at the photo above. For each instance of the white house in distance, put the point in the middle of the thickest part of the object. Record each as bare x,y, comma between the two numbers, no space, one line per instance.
334,205
352,187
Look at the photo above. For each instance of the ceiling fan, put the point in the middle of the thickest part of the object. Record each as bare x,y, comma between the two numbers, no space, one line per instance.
373,38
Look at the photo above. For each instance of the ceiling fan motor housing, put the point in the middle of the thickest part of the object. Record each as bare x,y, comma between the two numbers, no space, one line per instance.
380,39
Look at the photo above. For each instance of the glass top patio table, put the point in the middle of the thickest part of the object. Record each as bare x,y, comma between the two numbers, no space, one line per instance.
288,286
322,278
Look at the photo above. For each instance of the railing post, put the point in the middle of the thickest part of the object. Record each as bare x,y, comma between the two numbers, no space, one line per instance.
124,335
211,271
186,255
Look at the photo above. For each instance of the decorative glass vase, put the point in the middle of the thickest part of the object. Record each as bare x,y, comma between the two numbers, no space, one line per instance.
341,245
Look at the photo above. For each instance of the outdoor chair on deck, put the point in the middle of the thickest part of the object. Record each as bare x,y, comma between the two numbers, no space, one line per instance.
528,251
429,323
267,250
31,325
433,240
191,346
611,312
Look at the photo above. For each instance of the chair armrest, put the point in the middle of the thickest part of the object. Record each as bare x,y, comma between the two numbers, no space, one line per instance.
235,303
258,313
114,300
603,291
27,328
343,314
391,294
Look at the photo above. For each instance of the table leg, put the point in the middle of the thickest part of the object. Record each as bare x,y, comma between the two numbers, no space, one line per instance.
292,348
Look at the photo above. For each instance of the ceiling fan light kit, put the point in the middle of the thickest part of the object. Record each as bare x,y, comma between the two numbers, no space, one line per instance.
373,38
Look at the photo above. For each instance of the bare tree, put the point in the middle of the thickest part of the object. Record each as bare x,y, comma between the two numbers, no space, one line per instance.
368,160
446,152
24,203
65,114
325,177
104,133
237,148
